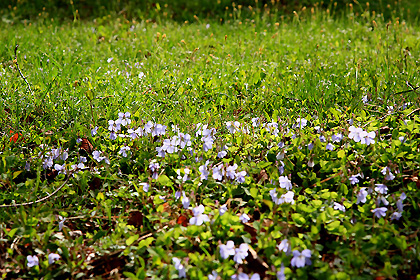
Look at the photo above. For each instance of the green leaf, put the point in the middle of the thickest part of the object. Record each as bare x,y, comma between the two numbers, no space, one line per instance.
333,226
131,239
253,192
341,154
146,242
165,181
298,219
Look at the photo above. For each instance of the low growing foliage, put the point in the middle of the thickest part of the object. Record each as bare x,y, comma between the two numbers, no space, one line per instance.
257,149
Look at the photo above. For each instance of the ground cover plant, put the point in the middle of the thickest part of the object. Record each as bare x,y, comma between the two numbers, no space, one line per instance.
260,147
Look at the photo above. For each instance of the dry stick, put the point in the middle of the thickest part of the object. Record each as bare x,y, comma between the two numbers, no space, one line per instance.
20,72
39,200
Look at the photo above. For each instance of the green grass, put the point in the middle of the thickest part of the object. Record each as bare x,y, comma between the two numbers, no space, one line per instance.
312,65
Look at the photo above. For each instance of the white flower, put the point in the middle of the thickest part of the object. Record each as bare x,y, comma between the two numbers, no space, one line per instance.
199,218
227,250
338,206
241,253
32,261
368,138
285,183
52,257
356,133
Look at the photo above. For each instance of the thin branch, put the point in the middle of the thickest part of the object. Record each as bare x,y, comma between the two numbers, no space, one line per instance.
39,200
20,72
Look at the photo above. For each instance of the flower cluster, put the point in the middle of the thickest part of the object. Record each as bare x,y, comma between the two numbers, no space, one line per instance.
239,254
362,136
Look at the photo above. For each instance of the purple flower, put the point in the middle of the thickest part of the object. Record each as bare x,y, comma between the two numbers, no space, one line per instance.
338,206
280,274
185,201
243,276
230,171
388,174
400,201
310,146
244,218
240,177
32,261
94,131
301,122
217,173
353,179
179,267
379,212
356,133
300,259
241,253
381,188
330,147
53,257
213,275
227,250
396,216
285,246
285,183
221,154
199,218
337,137
368,138
223,209
361,196
146,187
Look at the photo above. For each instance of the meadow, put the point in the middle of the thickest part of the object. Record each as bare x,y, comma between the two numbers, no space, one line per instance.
252,146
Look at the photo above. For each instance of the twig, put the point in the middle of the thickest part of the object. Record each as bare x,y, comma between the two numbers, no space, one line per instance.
329,178
412,112
20,72
39,200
